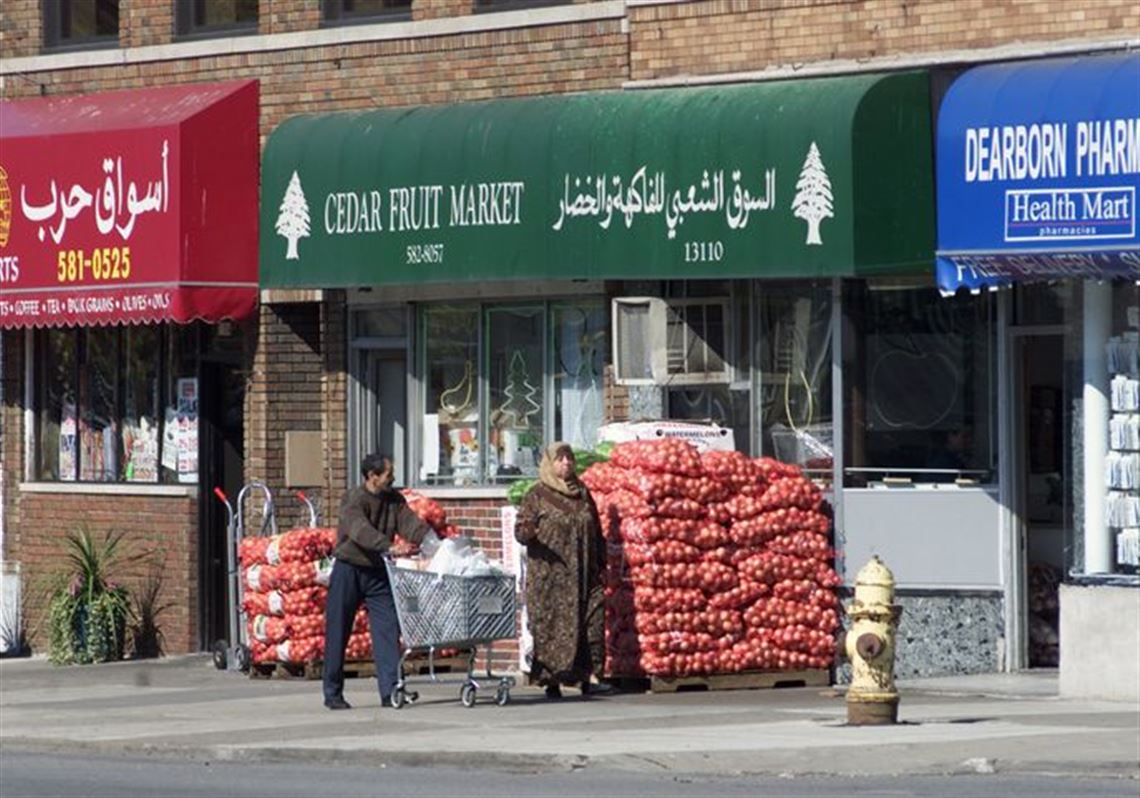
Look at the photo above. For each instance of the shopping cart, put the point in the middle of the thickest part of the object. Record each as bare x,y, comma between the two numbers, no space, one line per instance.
445,611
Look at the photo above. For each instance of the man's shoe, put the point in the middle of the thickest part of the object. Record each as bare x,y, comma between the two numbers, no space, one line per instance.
337,703
553,692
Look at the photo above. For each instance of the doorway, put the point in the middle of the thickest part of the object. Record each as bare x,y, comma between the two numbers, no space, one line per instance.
1043,504
381,408
221,464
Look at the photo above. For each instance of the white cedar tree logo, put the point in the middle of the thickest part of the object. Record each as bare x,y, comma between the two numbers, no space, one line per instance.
813,195
293,222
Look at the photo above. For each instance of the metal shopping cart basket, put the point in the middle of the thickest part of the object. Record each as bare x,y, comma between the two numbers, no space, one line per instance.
444,611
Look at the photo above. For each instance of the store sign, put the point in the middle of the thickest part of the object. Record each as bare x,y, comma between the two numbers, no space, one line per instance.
1039,171
96,216
732,181
121,223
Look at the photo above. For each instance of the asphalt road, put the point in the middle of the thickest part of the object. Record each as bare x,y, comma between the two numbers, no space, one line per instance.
24,774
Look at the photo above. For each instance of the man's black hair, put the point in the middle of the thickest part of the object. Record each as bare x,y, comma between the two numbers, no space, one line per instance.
375,463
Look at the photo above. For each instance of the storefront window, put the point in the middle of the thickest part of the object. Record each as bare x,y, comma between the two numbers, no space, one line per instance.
98,400
493,400
709,335
920,392
381,323
451,355
140,404
58,353
793,356
579,359
180,411
1122,477
722,404
515,368
116,403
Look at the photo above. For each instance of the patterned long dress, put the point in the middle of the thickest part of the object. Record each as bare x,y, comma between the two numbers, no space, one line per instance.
564,586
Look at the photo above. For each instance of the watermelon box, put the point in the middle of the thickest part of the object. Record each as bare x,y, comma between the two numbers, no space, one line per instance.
706,436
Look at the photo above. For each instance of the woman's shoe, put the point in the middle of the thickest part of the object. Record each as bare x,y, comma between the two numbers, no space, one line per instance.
598,688
553,692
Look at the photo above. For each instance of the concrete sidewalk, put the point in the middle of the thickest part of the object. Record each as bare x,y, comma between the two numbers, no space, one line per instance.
183,707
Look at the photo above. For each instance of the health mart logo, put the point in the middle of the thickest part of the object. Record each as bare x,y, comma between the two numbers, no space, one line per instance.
293,218
1057,214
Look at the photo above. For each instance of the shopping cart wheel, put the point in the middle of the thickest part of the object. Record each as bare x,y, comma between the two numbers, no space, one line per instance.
467,695
219,651
413,697
503,696
399,698
241,658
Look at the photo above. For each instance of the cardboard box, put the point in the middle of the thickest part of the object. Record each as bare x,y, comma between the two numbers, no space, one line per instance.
706,436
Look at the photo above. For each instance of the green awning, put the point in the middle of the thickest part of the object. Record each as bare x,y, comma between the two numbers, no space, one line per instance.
805,178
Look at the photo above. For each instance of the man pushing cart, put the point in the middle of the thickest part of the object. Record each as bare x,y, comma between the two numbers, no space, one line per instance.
371,515
429,611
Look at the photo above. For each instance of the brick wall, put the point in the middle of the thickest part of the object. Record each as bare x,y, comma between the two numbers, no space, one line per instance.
286,16
11,435
422,71
435,9
21,28
334,401
162,531
161,538
143,24
479,518
718,36
286,392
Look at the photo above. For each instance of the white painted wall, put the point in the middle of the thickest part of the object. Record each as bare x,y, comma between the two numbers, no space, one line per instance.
1100,642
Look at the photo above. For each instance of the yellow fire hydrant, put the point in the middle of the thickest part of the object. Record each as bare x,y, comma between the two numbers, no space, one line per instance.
869,644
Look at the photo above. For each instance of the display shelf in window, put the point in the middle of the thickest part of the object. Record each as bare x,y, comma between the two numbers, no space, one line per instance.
1128,548
1122,464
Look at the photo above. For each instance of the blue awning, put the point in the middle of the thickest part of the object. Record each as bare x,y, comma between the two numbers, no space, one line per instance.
1038,171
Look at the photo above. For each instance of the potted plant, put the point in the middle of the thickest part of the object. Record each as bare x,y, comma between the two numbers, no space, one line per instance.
88,612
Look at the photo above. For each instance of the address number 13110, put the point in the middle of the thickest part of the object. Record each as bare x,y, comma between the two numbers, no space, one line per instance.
704,251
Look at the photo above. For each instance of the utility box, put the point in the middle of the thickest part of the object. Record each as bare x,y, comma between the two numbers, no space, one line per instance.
304,459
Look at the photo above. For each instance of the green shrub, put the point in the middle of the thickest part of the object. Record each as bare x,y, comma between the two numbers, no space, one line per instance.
88,612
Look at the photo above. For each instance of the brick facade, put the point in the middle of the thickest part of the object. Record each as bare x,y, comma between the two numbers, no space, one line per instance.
710,37
297,368
160,532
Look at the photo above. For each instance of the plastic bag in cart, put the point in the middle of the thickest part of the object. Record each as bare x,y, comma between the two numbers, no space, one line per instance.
456,556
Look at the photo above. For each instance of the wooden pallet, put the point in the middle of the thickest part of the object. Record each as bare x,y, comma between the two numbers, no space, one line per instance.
363,669
749,680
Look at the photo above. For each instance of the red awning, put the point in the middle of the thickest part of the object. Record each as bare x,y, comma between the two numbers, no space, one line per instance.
129,206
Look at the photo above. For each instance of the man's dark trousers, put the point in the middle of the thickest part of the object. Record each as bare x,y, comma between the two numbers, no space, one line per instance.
348,586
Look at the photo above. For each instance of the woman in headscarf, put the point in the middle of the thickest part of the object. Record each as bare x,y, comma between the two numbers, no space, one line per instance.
558,523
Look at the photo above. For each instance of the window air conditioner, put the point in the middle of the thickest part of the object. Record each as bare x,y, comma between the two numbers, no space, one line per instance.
670,342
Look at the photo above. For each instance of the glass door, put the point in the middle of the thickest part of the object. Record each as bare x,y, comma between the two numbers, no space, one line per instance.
1043,503
380,417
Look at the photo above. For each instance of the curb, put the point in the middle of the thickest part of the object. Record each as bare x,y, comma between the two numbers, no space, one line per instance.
484,760
740,764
